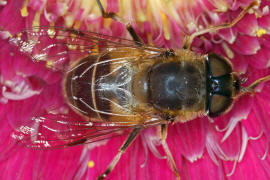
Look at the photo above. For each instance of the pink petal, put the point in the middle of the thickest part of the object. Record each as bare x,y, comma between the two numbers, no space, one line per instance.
10,17
175,34
261,59
243,3
238,112
248,25
188,138
30,164
117,28
264,21
37,5
240,63
265,40
203,167
130,165
228,35
252,126
246,45
112,6
230,148
250,163
262,115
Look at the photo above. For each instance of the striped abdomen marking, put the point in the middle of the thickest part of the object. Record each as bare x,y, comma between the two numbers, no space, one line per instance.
80,90
98,87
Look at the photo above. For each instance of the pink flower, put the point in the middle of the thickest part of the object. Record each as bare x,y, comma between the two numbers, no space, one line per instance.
233,146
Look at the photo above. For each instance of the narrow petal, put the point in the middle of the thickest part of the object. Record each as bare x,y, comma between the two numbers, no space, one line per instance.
203,167
252,126
246,45
264,22
250,163
240,63
248,25
10,17
262,115
261,59
134,164
230,148
189,138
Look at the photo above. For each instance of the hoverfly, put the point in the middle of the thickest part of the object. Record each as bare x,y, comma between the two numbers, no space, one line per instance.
116,84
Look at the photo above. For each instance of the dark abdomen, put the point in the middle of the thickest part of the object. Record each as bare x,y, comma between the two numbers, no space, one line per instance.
99,88
80,88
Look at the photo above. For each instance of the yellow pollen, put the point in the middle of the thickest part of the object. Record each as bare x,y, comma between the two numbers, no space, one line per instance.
49,64
91,164
107,23
77,25
24,11
260,32
51,32
165,26
69,20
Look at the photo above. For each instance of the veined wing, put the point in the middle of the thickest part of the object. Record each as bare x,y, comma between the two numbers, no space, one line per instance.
49,131
58,45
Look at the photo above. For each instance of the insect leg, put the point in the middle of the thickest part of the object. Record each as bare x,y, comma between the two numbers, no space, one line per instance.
131,137
164,129
251,87
189,39
114,16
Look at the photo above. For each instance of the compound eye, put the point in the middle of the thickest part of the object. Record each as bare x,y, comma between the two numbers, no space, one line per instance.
219,104
219,65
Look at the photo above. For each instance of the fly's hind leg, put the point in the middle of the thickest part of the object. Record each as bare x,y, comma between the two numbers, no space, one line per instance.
164,129
134,133
114,16
189,39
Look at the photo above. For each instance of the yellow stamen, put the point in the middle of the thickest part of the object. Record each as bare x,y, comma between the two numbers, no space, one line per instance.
24,11
261,32
228,51
69,20
36,21
91,164
141,16
165,26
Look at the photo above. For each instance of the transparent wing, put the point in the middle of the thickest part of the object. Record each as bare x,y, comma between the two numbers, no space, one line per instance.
49,131
58,45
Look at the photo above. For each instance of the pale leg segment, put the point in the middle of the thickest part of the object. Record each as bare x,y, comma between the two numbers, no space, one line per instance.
164,129
189,39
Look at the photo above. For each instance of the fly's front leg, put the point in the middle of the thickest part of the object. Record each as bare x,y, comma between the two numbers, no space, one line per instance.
164,129
252,86
131,137
189,39
114,16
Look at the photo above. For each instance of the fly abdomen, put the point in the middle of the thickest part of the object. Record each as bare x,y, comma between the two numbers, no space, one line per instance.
99,88
80,88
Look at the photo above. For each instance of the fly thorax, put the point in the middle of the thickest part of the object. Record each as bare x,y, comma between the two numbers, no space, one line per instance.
176,86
